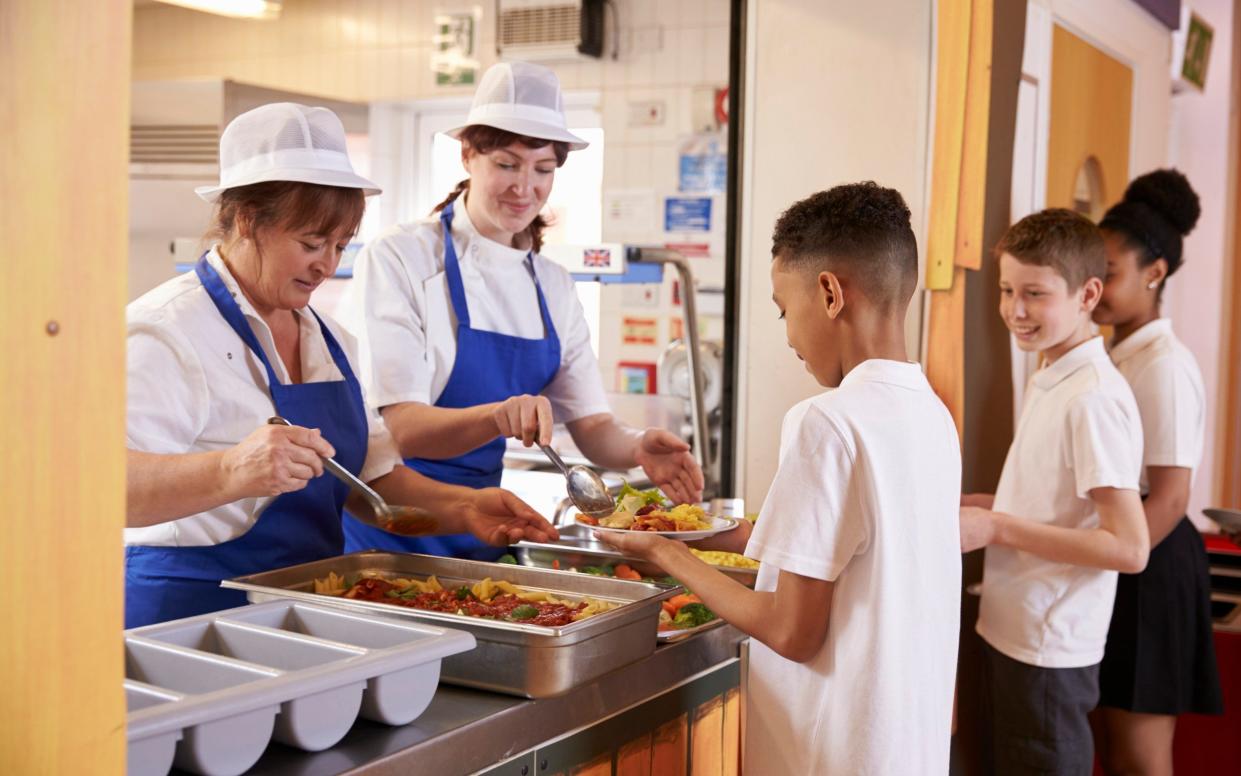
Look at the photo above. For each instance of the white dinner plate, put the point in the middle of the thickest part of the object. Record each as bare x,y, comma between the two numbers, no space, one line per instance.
1228,518
681,633
718,525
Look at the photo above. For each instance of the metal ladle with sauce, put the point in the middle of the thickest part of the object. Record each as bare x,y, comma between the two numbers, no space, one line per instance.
395,519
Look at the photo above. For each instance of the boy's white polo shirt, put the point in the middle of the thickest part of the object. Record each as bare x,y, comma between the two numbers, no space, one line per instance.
1079,430
866,496
1168,388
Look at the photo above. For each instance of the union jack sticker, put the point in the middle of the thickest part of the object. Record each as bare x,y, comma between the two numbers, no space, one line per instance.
597,257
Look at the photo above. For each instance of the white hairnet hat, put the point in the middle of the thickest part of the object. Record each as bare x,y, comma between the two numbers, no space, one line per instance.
284,141
521,98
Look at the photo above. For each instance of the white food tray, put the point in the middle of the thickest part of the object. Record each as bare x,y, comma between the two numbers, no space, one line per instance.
210,692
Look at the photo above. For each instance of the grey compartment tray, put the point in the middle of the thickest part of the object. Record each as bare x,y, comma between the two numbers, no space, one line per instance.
210,692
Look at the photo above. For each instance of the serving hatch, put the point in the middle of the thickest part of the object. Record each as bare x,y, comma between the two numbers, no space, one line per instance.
532,661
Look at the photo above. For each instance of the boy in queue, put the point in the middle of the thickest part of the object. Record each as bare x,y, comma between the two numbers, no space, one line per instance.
1066,515
855,614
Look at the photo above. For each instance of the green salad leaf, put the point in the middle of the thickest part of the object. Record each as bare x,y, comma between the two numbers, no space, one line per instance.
630,499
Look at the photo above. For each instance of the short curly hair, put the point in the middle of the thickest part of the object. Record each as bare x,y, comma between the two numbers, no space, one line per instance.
861,230
1059,238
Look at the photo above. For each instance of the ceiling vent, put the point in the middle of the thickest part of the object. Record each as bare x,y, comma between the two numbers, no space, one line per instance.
550,31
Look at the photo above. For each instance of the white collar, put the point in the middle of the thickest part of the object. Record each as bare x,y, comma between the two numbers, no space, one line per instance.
1138,340
882,370
1070,362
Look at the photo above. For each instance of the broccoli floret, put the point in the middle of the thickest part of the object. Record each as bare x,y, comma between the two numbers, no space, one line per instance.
693,615
508,558
524,612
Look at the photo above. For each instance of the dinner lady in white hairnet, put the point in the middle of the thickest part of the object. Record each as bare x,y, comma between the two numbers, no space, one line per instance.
469,336
214,490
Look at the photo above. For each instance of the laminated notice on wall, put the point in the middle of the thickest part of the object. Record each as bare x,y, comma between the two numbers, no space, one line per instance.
454,59
702,163
687,214
639,331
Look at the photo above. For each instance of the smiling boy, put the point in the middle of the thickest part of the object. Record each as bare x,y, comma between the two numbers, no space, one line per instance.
1066,515
856,610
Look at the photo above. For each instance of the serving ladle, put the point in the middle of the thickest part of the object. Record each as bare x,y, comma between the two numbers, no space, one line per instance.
396,519
585,488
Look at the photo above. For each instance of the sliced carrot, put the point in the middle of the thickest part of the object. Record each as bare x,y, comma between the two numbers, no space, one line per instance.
669,608
556,564
623,571
587,519
681,600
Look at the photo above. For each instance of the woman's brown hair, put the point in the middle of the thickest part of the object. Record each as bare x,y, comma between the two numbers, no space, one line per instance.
289,205
484,139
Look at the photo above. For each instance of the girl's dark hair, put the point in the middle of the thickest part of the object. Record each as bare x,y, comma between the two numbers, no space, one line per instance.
289,205
484,140
1157,211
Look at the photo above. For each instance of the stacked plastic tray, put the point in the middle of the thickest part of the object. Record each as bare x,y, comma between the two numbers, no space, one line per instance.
210,692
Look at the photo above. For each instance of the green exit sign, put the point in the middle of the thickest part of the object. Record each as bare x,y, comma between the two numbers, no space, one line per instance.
1197,51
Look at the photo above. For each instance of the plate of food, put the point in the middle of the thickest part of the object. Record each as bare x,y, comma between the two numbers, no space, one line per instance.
646,510
1228,519
684,615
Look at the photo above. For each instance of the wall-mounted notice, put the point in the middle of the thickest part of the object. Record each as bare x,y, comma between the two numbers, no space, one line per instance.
687,214
703,163
629,214
635,377
453,56
639,331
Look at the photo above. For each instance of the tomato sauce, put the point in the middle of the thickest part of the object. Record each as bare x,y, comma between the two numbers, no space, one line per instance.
461,601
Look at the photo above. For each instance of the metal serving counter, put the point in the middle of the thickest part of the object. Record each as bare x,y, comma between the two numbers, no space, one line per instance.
467,731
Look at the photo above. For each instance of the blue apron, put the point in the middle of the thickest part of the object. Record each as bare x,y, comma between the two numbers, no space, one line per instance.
166,583
489,367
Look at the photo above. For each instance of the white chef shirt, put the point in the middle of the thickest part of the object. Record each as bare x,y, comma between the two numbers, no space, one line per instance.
399,308
1079,430
1168,388
866,495
194,387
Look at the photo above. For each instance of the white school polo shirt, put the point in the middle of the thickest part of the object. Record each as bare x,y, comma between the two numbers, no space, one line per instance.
866,495
1168,388
1079,430
399,308
194,386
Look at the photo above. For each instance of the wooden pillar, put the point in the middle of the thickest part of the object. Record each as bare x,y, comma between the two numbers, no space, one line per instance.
967,353
64,116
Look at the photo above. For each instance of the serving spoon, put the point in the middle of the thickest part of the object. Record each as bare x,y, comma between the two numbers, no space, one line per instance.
585,487
396,519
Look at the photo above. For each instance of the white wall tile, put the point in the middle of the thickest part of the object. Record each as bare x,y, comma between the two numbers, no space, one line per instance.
715,55
690,55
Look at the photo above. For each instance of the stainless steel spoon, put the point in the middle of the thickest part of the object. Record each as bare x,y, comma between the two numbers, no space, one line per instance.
397,519
585,488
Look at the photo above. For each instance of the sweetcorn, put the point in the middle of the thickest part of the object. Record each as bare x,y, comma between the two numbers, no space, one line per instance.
730,559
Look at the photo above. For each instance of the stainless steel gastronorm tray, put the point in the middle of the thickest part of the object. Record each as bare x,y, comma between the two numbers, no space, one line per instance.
526,660
211,691
578,547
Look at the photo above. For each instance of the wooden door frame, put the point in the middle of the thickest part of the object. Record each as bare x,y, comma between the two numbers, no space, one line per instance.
1228,443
